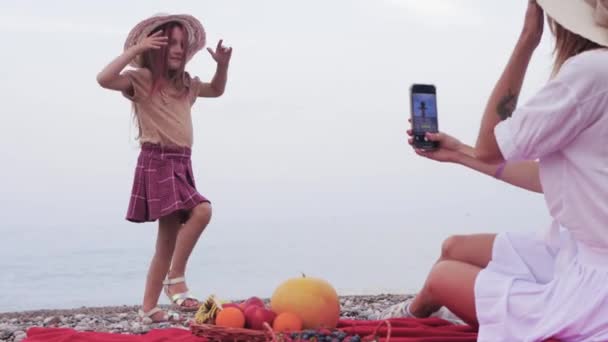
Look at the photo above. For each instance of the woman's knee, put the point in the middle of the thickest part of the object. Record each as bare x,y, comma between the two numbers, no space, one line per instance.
474,249
202,213
451,245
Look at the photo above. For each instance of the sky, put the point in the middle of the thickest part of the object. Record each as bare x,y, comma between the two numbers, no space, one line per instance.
309,133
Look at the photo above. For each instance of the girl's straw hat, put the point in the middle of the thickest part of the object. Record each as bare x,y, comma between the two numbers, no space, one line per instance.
196,33
587,18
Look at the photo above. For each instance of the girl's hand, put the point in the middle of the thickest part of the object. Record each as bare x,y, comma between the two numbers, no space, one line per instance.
534,22
154,41
222,54
449,147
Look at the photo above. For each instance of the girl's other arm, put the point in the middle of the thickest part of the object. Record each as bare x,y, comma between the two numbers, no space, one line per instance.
216,87
218,84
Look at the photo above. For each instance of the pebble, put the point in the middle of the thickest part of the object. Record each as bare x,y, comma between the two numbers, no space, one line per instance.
115,326
19,335
4,335
124,319
51,320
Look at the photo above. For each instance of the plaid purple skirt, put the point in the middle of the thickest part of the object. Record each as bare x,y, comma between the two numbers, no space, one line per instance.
163,184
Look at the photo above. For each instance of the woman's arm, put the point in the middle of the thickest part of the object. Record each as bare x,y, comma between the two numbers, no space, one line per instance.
523,174
503,99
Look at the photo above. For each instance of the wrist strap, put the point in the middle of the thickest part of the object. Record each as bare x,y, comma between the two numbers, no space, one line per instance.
500,169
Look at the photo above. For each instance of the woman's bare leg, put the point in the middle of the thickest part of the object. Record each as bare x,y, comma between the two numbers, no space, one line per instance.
474,250
451,284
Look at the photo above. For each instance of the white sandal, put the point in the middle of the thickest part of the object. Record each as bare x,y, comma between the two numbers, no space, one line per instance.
179,299
402,310
146,317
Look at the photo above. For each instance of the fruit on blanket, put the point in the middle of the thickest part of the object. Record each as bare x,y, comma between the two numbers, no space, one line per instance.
318,335
231,317
314,300
252,301
232,305
249,311
287,321
256,316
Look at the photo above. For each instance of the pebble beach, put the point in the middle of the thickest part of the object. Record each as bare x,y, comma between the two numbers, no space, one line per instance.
124,319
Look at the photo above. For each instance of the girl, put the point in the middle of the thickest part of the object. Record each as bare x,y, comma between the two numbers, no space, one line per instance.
530,287
162,94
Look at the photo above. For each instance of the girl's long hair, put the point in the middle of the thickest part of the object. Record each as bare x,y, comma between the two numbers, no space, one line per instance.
157,61
567,44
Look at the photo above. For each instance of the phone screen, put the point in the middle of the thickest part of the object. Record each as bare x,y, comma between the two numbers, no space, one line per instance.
424,109
424,114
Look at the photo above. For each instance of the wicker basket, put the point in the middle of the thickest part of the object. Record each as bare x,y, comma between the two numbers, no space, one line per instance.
215,333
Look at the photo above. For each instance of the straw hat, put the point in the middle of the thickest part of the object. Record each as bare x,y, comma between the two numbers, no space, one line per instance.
196,32
587,18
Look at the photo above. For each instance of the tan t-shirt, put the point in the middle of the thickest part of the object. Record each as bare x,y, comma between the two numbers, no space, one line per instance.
164,117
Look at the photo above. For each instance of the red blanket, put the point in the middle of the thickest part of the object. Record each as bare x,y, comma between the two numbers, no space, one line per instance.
411,330
70,335
402,330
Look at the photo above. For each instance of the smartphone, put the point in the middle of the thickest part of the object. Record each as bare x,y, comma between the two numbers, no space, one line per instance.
423,111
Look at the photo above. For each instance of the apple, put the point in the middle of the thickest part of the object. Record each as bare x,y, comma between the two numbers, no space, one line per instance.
249,313
255,317
252,301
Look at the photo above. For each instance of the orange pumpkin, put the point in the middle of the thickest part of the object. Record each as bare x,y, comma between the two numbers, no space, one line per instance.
314,300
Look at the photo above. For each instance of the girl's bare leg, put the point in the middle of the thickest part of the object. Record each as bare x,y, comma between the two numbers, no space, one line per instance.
187,238
168,228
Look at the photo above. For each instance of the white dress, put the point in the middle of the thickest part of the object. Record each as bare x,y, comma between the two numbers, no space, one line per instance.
554,284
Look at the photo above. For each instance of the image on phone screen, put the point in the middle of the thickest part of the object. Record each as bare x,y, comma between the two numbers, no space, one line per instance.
424,110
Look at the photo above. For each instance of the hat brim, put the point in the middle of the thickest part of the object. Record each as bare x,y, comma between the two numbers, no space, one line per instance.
196,33
577,17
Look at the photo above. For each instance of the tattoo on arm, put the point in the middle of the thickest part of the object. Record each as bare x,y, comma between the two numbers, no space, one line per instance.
506,105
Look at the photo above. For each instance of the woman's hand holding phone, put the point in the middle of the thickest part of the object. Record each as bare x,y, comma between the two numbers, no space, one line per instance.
450,149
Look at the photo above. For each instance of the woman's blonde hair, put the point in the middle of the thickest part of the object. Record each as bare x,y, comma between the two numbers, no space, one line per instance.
567,44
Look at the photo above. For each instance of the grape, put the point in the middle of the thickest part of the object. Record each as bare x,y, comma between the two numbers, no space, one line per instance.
339,334
323,336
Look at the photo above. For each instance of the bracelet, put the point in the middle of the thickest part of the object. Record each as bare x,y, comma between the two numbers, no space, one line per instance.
500,169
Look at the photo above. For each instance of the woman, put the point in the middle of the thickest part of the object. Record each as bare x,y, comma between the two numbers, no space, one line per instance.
529,287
